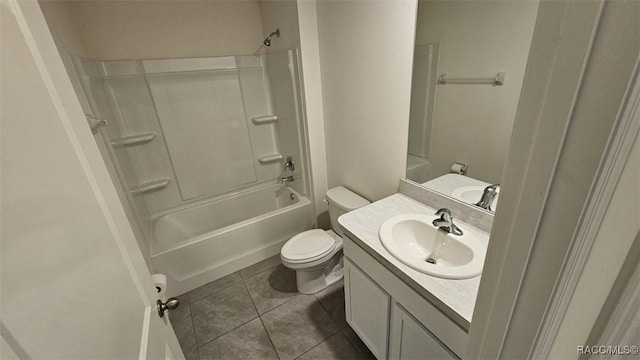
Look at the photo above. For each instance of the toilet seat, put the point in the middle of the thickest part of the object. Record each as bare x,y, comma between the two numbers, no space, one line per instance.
308,246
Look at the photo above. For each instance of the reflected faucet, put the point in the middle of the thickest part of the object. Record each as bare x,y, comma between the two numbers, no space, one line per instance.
445,222
489,193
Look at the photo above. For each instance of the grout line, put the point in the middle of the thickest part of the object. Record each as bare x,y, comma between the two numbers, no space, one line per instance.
250,297
330,318
225,333
327,311
261,322
221,335
268,311
259,272
301,355
243,282
269,337
361,353
322,342
195,338
214,292
288,300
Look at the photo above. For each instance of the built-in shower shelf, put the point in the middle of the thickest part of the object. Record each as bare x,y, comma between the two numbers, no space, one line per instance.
269,158
133,140
152,186
266,119
498,80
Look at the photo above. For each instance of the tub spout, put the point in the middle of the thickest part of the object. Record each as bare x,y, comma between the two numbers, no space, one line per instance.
287,179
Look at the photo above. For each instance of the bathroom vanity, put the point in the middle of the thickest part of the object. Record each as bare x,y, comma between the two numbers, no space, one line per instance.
401,313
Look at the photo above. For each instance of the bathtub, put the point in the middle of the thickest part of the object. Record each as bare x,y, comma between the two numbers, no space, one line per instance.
202,243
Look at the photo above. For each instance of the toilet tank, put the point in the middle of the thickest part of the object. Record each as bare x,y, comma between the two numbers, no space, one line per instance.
342,200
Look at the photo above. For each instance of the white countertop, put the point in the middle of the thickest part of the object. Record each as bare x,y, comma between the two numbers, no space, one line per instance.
456,298
448,183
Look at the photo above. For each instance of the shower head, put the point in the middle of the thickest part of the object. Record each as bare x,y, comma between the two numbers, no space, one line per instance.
267,41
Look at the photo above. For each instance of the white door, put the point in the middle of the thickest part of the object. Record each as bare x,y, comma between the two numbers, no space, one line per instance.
74,283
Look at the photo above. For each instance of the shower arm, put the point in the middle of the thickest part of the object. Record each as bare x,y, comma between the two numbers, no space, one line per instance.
267,41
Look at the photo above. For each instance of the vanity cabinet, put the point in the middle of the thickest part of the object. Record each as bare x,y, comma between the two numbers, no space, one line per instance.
409,340
393,320
367,309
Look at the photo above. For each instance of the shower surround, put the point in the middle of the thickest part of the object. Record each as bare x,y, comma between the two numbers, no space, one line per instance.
197,146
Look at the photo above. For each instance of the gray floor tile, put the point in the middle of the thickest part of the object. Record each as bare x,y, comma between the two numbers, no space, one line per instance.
249,341
332,299
183,327
192,355
260,267
221,312
357,343
184,300
214,286
298,326
336,347
272,287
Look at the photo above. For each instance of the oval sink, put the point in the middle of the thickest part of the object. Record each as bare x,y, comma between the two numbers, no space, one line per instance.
417,243
472,194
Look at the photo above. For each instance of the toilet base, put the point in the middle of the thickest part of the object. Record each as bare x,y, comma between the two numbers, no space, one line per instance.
310,282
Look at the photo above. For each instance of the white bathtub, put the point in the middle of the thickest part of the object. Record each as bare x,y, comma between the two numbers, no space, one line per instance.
202,243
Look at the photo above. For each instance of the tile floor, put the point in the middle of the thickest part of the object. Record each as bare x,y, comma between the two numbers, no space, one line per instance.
256,313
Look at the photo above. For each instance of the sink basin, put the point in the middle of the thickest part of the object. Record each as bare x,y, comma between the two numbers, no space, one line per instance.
472,194
413,240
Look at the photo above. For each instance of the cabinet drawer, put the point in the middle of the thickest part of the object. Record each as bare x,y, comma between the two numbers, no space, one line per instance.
367,309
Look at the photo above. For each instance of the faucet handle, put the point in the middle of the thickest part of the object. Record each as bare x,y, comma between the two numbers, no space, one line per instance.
289,164
442,212
445,222
445,215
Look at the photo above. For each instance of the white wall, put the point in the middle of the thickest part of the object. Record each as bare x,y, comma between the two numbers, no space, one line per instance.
472,123
312,89
283,15
620,225
582,57
66,36
123,30
63,27
366,52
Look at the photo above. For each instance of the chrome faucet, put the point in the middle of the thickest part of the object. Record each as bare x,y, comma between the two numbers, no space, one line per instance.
445,222
285,180
489,193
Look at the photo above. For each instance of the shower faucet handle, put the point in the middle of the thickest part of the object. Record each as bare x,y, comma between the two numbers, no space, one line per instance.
289,164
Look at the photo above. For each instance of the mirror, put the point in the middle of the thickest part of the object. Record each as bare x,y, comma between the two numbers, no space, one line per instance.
469,63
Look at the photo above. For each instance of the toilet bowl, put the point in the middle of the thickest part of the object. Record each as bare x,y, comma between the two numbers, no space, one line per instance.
316,255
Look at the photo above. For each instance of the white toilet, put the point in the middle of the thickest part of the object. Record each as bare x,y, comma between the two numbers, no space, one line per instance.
316,255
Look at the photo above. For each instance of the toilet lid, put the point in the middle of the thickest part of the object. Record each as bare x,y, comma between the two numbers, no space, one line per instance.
307,245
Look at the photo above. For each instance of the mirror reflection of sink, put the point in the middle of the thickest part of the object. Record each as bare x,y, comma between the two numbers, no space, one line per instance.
472,194
414,241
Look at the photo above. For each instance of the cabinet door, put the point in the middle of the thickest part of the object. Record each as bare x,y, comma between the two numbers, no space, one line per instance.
412,341
367,309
